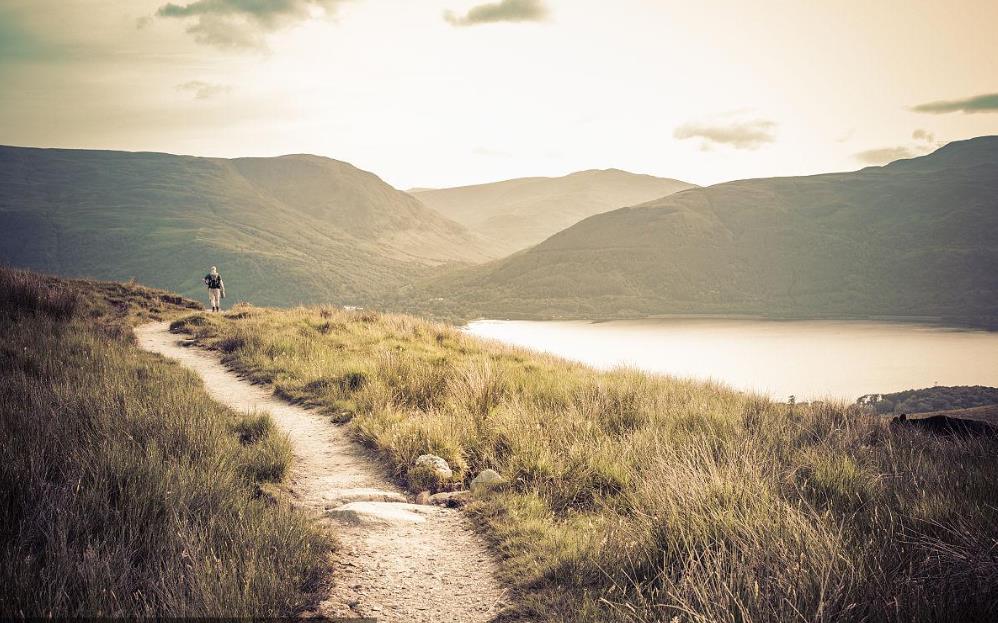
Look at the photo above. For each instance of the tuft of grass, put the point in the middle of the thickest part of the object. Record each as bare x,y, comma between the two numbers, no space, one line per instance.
266,454
252,427
268,460
124,489
631,497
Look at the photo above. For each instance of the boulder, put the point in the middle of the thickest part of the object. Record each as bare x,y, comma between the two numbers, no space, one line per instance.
430,472
485,479
423,497
435,464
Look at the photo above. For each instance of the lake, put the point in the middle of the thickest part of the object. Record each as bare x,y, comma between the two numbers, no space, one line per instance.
809,359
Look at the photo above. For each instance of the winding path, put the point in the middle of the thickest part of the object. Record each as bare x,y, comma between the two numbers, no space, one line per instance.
396,561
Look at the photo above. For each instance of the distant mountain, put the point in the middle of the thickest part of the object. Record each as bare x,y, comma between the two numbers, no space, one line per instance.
917,237
281,230
519,213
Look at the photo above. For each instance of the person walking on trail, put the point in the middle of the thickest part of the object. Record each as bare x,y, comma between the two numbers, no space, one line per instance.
216,289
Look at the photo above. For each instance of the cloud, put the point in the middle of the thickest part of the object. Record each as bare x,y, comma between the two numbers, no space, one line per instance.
980,103
502,11
243,23
491,153
740,134
204,90
883,155
923,142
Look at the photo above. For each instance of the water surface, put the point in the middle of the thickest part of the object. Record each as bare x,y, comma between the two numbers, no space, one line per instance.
809,359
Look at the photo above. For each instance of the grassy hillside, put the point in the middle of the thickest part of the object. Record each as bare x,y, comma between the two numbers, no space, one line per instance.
281,230
125,489
516,214
915,237
630,497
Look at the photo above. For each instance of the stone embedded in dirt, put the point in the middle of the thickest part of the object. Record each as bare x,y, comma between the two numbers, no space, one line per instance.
436,464
380,513
485,479
338,497
423,497
452,499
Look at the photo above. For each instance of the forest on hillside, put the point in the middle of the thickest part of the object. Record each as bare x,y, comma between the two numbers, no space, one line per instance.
931,399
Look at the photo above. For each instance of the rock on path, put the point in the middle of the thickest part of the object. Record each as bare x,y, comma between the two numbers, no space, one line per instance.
397,561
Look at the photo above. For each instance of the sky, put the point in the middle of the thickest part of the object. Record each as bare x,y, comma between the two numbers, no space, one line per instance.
436,93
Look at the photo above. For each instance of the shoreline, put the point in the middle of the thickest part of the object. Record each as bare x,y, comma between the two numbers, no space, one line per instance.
941,322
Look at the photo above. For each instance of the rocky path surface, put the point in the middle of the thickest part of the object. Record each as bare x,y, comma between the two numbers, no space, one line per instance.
397,561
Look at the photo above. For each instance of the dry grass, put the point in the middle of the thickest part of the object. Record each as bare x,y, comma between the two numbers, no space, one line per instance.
126,491
632,497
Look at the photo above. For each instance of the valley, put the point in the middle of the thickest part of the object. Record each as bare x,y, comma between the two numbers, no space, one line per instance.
914,237
283,230
519,213
499,311
908,239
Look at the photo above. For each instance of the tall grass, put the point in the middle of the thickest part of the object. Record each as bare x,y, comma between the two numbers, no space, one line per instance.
124,489
631,497
30,293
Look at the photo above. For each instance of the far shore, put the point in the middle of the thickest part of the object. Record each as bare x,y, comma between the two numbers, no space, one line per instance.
934,321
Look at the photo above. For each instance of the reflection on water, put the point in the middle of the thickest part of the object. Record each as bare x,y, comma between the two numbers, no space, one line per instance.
809,359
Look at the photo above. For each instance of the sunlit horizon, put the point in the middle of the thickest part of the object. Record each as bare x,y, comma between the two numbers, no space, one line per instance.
433,94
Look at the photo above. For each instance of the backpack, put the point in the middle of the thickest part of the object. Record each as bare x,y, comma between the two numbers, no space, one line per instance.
213,281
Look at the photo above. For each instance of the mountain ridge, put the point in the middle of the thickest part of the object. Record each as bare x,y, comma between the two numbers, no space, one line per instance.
912,237
297,228
517,213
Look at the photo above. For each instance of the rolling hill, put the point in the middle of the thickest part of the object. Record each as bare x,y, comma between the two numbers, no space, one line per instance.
913,238
932,399
519,213
282,230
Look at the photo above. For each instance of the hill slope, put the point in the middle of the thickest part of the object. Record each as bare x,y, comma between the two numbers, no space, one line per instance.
282,230
519,213
151,499
915,237
630,497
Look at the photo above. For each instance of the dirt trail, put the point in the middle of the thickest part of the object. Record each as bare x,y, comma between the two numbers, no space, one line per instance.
397,561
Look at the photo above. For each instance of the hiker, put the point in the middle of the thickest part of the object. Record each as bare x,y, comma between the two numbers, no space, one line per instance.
216,289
